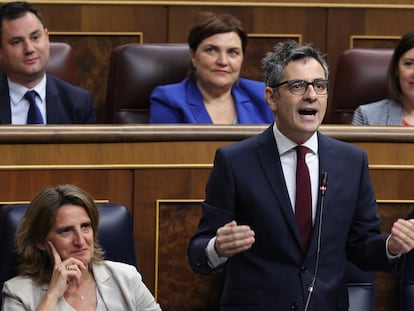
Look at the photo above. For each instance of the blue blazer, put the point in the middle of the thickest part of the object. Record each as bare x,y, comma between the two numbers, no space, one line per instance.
247,184
183,103
65,103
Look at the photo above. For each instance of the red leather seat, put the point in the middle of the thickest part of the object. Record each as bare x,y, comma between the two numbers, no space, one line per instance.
135,70
361,78
61,62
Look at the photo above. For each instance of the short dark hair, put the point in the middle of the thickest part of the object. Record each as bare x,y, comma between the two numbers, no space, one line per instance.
275,62
17,9
209,23
393,82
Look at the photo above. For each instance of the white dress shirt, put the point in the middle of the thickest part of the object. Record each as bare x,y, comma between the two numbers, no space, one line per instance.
19,106
287,153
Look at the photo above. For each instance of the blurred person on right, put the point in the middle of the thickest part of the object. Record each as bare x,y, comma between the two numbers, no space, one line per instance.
213,92
398,109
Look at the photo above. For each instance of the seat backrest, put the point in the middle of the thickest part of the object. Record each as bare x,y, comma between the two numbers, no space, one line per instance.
61,62
115,225
360,78
135,70
361,288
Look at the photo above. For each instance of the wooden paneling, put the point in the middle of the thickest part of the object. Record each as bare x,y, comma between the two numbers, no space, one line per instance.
177,222
259,45
152,185
391,184
325,3
20,185
92,51
95,17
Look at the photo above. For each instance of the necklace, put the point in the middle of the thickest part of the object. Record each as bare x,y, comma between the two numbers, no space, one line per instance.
82,297
87,291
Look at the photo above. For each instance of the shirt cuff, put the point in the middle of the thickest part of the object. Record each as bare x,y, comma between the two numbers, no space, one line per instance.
389,255
213,259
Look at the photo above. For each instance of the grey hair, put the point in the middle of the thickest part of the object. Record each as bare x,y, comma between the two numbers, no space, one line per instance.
275,62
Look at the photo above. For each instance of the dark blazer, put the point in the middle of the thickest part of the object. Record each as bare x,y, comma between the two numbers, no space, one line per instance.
183,103
247,184
65,103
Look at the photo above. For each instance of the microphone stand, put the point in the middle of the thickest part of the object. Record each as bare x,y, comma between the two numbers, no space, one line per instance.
322,188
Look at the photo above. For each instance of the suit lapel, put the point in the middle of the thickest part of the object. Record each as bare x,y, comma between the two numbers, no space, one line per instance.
326,154
326,161
196,103
54,108
240,98
394,113
107,288
272,169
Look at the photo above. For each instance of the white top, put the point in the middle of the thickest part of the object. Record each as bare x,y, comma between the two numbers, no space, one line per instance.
19,106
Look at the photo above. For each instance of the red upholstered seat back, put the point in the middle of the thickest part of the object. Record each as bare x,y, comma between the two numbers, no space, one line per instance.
361,77
61,62
135,70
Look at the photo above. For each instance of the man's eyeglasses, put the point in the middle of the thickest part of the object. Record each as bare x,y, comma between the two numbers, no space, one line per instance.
299,87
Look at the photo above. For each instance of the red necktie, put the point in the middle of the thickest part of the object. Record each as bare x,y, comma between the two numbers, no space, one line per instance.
303,203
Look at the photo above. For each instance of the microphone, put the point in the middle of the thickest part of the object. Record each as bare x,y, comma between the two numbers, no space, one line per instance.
323,186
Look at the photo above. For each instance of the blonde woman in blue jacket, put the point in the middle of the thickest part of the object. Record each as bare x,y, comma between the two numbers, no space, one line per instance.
214,92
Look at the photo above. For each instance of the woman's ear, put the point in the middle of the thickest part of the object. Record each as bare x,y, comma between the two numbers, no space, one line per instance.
192,56
41,246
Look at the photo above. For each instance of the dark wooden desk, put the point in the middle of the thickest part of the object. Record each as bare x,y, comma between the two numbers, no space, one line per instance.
159,172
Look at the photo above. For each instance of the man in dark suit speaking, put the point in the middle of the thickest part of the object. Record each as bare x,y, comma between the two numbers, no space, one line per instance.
272,222
27,94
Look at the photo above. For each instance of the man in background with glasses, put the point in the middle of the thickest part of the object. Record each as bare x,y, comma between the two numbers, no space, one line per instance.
271,221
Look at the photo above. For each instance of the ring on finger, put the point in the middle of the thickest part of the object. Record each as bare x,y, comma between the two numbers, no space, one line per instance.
68,267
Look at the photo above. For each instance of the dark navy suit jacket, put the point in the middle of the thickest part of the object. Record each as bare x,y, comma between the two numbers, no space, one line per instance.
183,103
247,184
65,103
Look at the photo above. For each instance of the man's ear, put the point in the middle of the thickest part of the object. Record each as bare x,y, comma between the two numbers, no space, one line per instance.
271,98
